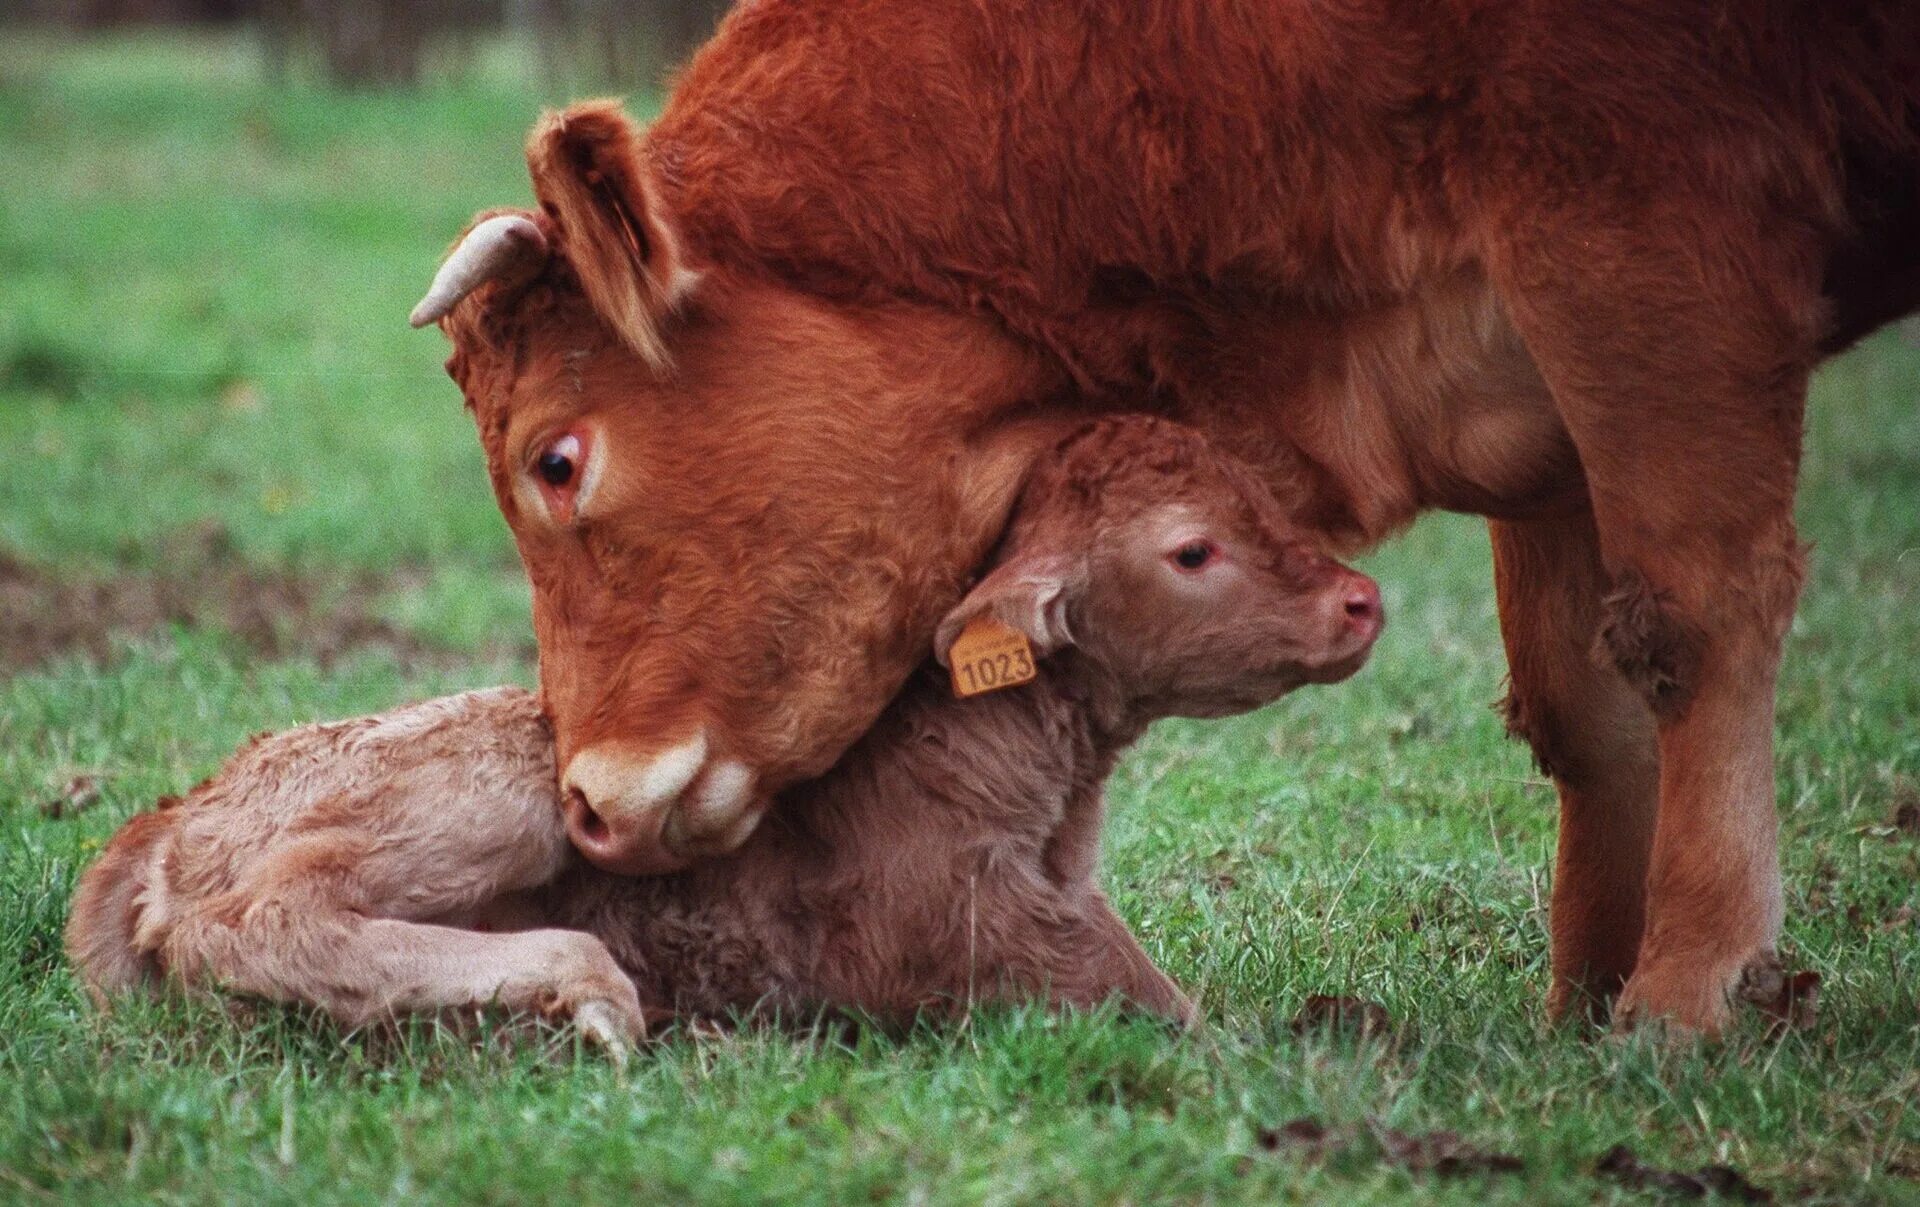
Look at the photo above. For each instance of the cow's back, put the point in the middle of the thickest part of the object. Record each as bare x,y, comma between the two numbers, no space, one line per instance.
1332,152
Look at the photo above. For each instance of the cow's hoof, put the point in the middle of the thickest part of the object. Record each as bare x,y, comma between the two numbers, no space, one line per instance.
1584,1003
1692,997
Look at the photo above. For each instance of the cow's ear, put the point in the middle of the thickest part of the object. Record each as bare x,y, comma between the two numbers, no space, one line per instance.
585,163
1031,594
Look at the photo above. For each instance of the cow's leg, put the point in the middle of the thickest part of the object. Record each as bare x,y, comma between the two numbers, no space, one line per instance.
1594,734
1680,371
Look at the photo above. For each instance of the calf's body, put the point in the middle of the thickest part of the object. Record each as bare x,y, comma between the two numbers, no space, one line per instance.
950,858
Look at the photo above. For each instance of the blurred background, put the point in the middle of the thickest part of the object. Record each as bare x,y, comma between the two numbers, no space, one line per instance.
214,216
374,43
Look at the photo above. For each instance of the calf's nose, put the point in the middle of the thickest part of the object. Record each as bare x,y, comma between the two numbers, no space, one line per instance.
639,815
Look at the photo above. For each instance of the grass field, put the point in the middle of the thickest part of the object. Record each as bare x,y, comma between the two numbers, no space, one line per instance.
244,495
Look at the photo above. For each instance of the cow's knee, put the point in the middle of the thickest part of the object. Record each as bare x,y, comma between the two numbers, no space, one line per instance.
1654,644
1663,640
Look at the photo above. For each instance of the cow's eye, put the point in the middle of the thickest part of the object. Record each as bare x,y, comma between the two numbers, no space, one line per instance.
1194,555
559,462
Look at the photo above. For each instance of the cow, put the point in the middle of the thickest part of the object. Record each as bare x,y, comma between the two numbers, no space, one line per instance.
416,861
756,385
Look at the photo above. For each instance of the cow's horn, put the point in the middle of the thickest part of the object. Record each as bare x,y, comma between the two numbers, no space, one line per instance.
505,247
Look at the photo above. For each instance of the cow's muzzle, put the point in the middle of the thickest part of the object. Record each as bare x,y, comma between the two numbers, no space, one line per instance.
642,815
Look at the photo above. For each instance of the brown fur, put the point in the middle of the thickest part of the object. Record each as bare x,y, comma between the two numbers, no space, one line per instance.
1557,263
107,909
1656,651
950,857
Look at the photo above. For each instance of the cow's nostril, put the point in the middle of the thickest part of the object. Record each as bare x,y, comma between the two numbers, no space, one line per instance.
586,823
594,828
623,812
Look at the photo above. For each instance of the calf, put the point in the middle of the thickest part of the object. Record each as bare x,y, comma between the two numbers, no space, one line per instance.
949,857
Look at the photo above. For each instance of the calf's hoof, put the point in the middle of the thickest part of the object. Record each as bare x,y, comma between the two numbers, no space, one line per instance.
606,1026
590,991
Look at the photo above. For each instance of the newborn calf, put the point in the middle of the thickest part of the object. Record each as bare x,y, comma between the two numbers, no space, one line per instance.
949,857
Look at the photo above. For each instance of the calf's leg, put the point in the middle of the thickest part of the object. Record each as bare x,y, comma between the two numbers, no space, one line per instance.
1595,735
1094,958
362,970
305,930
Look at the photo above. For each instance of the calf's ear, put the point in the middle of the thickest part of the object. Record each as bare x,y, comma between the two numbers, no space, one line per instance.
1030,594
587,174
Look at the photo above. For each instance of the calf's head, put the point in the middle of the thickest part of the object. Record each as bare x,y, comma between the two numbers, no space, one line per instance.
742,509
1168,566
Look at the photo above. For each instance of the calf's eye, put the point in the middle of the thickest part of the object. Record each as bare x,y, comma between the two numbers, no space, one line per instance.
560,461
1194,554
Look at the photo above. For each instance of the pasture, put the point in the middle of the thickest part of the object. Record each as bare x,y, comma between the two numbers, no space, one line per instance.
242,495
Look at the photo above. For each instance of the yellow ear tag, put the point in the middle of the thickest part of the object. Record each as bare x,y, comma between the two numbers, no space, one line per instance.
989,655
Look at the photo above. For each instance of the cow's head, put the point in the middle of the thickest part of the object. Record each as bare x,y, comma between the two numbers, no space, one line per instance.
743,509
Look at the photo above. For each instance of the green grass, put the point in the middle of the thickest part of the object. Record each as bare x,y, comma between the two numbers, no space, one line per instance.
202,291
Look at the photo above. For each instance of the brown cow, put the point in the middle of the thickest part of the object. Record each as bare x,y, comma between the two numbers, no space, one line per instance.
951,856
755,387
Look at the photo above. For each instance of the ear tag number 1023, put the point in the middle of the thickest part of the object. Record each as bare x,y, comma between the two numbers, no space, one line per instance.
989,655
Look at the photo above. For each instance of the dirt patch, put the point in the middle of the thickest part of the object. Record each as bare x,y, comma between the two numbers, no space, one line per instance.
81,793
1905,816
205,585
1722,1181
1349,1016
1442,1153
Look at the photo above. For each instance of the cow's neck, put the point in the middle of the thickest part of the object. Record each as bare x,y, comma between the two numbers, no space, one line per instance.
1364,419
1251,258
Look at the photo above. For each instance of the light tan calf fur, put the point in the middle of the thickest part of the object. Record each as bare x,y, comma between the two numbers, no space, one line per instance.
352,866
